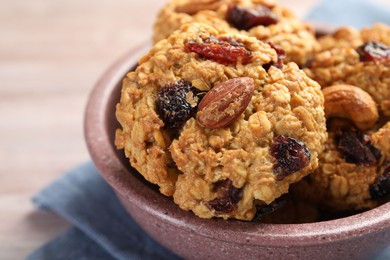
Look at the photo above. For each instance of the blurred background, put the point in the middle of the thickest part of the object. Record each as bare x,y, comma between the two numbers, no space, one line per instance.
51,54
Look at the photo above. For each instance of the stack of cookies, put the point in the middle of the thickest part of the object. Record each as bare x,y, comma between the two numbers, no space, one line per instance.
237,103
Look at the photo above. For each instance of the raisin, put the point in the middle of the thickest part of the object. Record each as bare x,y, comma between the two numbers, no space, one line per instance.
356,147
246,18
226,51
261,211
309,63
281,56
381,187
291,155
374,51
177,102
227,197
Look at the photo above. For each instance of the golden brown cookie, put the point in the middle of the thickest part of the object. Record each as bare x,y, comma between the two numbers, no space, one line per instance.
357,58
262,19
219,122
354,172
350,178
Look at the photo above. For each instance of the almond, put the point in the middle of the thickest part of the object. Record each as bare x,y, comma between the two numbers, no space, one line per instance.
225,102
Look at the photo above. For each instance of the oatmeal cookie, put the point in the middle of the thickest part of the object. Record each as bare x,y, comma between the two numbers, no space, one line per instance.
262,19
357,58
219,122
354,172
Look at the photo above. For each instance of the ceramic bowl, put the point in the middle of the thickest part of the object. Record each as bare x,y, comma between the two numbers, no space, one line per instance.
360,236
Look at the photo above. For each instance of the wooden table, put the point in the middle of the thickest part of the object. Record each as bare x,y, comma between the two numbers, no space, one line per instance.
51,53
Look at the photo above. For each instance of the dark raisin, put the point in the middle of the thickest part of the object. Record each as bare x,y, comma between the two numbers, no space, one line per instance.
222,50
381,187
291,156
377,153
356,147
309,63
263,210
177,102
374,51
281,56
246,18
227,197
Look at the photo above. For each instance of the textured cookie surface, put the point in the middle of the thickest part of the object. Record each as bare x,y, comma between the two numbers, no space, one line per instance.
354,172
262,19
357,58
239,166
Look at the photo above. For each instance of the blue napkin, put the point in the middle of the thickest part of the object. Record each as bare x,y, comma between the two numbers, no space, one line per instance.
102,229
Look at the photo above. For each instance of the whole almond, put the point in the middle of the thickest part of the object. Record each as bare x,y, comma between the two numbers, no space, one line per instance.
225,102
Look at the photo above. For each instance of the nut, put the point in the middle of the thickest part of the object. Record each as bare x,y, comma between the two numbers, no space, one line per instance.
347,101
225,102
192,7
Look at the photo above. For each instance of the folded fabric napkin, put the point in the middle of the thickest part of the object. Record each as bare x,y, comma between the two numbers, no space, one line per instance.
102,228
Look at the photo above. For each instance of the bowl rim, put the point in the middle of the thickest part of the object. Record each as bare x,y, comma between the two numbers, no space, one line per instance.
137,193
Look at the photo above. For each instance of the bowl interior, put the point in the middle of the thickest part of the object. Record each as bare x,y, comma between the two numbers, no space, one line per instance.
100,126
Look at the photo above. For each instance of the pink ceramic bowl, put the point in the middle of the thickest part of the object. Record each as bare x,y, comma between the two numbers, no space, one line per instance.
359,236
